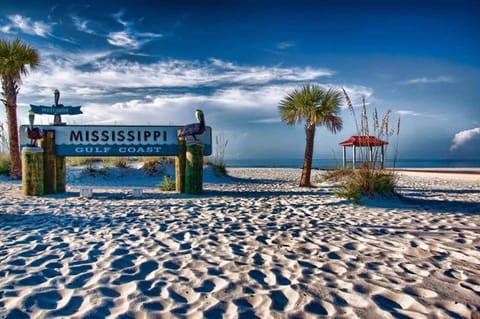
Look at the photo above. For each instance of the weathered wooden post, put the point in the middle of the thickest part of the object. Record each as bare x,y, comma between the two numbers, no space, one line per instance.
60,173
49,162
194,168
32,171
180,166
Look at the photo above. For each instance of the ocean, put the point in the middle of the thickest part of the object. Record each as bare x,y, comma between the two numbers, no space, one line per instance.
330,163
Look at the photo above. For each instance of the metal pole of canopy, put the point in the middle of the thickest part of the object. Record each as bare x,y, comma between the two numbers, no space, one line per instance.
354,156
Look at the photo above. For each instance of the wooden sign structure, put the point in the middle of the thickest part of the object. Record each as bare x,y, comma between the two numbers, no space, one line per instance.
60,140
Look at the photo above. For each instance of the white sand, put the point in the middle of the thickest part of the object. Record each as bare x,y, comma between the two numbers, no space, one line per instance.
254,245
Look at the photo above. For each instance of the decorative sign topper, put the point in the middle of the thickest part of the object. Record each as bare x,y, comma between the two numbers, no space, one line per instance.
57,109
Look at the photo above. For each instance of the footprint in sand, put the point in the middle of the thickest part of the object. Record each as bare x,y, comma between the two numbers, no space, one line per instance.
79,269
43,300
281,280
108,292
183,294
258,276
353,299
125,261
153,306
32,280
100,311
320,308
335,268
69,309
40,261
356,246
207,286
420,292
279,300
392,301
16,314
151,289
17,262
145,269
452,273
79,281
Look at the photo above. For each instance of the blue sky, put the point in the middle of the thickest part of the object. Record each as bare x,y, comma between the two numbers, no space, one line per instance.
155,62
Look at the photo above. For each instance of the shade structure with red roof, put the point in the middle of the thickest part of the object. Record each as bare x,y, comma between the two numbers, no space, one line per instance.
363,141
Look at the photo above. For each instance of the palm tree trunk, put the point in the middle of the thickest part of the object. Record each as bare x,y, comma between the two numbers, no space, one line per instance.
307,160
11,110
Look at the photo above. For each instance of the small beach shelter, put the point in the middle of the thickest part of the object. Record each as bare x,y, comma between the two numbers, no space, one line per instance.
363,141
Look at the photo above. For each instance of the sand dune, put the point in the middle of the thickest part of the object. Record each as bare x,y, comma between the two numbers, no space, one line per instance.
253,245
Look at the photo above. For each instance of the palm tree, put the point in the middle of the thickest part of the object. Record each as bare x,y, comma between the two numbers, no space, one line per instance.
14,58
316,106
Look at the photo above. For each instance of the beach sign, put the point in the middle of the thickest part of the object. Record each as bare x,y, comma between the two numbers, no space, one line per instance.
113,140
57,110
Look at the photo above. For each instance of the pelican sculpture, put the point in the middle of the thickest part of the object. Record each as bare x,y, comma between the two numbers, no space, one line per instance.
194,128
33,133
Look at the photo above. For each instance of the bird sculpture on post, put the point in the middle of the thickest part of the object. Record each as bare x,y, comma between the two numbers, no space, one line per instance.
33,133
194,128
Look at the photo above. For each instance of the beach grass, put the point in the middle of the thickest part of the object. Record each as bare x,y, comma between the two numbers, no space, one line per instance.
4,164
168,184
365,182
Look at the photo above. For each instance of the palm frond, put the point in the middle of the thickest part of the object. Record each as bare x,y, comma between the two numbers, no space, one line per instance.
314,105
16,59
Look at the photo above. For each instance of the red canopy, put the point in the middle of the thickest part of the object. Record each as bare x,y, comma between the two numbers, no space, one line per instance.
363,141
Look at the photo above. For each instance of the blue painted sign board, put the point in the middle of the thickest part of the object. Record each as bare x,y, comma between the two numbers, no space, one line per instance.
96,140
56,110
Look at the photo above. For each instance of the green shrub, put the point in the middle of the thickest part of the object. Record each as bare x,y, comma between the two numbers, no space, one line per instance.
351,192
4,164
167,185
366,182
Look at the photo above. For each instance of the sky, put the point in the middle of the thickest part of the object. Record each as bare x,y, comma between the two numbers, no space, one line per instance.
156,62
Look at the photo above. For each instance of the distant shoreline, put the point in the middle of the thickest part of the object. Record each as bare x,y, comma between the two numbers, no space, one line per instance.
463,170
318,163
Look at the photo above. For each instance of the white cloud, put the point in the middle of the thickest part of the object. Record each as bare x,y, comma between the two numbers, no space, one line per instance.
426,80
26,25
105,75
5,28
285,45
82,25
268,120
118,18
463,137
123,39
113,91
356,93
408,112
225,105
128,38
